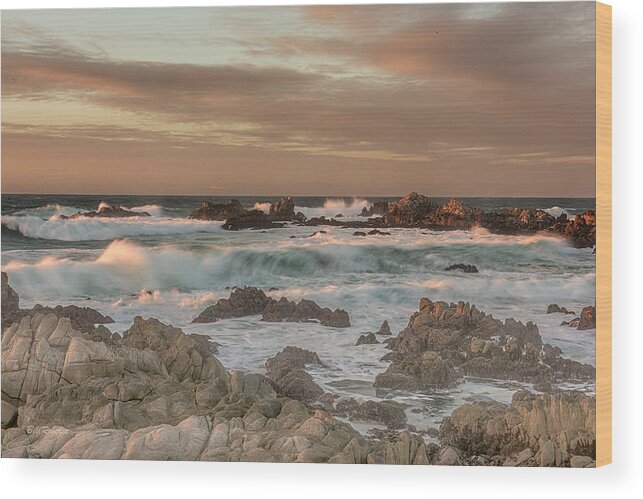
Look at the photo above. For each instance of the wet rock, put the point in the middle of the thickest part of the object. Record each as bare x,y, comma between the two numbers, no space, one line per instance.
285,310
409,210
250,219
377,208
555,309
241,302
384,329
106,211
367,339
467,269
376,232
217,211
587,319
359,233
418,372
283,209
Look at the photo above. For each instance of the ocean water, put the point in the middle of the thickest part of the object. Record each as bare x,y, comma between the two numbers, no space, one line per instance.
171,268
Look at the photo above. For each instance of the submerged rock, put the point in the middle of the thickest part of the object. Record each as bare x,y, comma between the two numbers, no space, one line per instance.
106,211
285,310
467,269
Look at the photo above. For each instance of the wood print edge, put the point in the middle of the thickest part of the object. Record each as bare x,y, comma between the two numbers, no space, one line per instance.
604,234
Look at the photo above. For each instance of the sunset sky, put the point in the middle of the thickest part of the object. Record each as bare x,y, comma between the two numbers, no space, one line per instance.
447,100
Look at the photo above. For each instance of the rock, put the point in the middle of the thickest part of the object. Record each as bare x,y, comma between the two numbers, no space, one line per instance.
555,309
403,448
519,459
287,370
384,329
285,310
250,219
81,318
376,232
409,210
106,211
387,412
283,209
188,357
553,426
359,233
241,302
422,372
10,302
581,462
448,456
467,269
9,415
367,339
377,208
587,319
217,211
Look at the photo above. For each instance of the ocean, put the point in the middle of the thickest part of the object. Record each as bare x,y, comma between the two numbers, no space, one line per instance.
171,268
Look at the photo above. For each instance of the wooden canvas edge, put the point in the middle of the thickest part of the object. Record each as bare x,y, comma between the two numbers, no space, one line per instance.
604,234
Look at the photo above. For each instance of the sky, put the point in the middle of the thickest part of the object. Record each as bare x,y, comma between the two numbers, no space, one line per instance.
442,99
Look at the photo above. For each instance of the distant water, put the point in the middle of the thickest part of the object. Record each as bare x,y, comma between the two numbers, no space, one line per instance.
186,265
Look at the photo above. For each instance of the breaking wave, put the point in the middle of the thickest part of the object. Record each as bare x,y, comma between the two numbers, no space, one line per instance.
334,207
103,229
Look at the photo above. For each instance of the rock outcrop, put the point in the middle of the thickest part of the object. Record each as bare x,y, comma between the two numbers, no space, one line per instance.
283,209
287,370
554,428
366,339
555,309
464,341
252,301
106,211
217,211
384,329
251,219
587,319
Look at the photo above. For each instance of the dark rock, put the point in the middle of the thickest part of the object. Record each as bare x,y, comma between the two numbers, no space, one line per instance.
367,339
587,319
376,232
359,233
467,269
283,209
106,211
217,211
250,219
409,210
384,329
285,310
242,302
555,309
10,302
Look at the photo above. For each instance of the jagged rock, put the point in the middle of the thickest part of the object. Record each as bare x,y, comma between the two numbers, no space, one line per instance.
9,414
418,372
405,448
554,427
367,339
283,209
467,269
250,219
409,210
448,456
217,211
377,208
555,309
184,356
587,319
285,310
241,302
10,301
287,370
387,412
384,329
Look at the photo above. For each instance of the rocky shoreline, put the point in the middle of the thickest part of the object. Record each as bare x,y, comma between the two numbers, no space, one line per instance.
73,389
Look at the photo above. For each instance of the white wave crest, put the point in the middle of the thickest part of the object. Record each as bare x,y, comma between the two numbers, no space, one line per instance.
556,211
334,207
104,229
49,211
265,207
